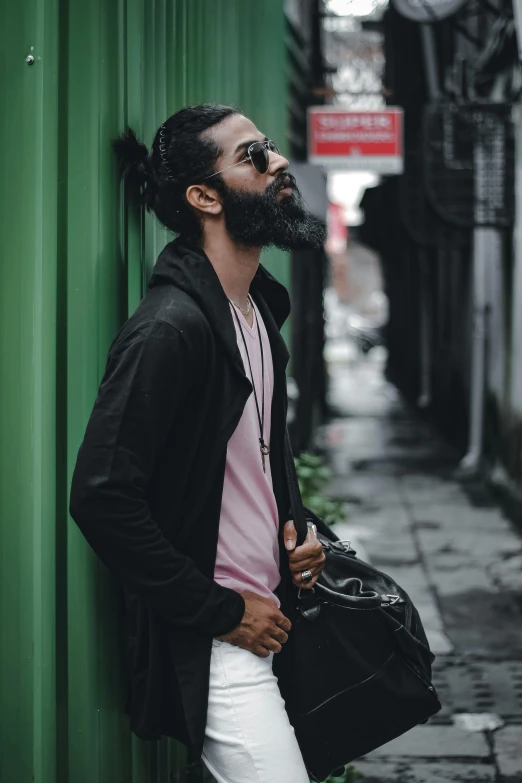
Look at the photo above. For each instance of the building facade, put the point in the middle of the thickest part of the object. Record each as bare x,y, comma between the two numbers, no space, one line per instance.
448,229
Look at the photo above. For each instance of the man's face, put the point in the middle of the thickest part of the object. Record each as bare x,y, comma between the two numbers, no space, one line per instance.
260,209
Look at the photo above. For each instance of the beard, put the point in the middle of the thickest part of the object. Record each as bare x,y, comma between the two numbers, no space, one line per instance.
263,220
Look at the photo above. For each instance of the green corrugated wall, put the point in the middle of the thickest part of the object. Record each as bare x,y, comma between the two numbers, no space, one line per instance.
73,262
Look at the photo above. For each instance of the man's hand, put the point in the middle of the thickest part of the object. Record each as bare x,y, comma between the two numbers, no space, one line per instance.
308,556
263,629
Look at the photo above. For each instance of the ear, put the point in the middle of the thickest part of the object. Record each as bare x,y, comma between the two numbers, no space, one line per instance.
204,198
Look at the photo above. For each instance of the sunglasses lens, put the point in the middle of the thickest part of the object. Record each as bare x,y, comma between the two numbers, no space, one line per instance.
259,157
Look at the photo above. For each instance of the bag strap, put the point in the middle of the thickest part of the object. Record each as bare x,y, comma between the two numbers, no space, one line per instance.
361,599
296,502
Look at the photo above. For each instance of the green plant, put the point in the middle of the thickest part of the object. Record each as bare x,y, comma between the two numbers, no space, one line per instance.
313,475
350,775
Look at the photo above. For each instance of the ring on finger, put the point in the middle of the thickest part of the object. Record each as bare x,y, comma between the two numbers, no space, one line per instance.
307,576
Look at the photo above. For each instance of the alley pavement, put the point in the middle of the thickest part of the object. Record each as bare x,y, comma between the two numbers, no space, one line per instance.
449,545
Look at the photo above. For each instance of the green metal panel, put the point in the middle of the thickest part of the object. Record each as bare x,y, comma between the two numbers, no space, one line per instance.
98,739
28,231
75,258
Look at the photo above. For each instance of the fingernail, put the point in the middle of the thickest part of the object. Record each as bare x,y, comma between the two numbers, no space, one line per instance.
290,544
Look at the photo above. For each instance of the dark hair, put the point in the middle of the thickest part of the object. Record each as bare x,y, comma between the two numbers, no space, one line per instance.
179,157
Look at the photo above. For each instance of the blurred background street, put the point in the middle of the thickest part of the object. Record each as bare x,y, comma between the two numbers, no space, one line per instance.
455,553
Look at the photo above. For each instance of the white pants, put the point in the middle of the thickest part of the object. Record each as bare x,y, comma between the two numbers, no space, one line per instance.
248,737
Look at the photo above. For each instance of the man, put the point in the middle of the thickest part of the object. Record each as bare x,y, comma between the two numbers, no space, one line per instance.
179,484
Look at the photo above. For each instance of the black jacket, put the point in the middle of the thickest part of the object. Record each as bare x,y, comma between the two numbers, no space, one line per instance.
146,490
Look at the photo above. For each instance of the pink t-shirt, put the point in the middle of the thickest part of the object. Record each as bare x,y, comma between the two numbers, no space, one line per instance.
248,550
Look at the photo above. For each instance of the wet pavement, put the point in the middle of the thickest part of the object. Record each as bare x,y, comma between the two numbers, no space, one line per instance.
449,545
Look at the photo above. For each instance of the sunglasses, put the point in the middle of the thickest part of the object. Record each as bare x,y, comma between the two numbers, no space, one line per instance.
258,156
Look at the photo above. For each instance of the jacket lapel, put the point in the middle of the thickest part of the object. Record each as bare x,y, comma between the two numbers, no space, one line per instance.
188,268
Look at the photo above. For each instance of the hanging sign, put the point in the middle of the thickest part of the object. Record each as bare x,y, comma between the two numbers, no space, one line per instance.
356,140
427,10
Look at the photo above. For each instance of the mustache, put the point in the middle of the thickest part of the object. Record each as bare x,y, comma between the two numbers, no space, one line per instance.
285,180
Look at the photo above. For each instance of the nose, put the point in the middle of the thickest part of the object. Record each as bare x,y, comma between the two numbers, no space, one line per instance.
276,163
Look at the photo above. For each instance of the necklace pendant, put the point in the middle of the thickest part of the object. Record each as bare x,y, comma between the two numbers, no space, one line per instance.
265,451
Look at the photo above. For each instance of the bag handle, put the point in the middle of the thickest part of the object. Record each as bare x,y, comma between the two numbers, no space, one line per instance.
296,502
361,599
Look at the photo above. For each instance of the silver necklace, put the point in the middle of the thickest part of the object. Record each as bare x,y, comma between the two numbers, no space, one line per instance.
245,312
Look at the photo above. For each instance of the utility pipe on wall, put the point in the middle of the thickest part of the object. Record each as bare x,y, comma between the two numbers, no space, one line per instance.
432,82
481,251
424,398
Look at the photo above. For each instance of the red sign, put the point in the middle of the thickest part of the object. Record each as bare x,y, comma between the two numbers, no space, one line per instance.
370,140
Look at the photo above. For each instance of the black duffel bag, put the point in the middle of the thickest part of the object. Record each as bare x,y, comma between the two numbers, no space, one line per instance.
361,664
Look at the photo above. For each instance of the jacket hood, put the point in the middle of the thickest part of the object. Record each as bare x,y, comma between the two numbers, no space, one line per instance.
187,267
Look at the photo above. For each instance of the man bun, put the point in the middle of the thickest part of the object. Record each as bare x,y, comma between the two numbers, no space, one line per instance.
135,163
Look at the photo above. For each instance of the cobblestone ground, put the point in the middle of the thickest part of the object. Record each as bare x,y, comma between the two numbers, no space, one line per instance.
460,560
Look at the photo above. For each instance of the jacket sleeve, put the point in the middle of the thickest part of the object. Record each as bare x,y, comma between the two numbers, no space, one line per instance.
141,393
